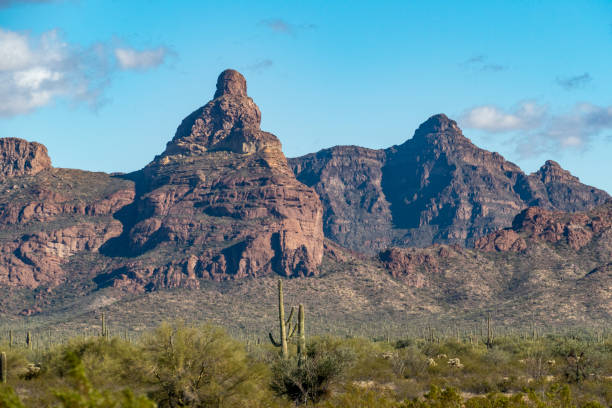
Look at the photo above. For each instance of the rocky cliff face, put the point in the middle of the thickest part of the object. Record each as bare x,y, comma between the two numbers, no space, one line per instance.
223,200
19,157
437,187
49,215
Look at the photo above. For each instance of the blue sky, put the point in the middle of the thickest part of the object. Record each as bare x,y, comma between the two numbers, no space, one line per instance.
104,84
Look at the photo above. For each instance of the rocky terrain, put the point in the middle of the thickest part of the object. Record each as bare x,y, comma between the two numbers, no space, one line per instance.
437,187
434,226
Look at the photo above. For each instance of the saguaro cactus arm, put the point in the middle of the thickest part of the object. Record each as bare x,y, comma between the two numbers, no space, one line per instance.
274,342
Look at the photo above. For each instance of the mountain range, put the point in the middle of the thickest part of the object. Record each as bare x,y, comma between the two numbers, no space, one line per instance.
453,225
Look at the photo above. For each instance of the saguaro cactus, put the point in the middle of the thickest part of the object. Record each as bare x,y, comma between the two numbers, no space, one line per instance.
489,334
301,336
285,328
29,340
3,368
104,332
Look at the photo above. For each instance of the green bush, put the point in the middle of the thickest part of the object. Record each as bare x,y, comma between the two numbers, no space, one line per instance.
201,367
325,361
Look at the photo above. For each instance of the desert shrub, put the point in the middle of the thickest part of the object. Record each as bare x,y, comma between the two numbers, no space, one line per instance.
326,360
201,367
410,363
8,398
557,396
370,360
17,364
403,343
361,397
437,398
497,401
82,394
106,362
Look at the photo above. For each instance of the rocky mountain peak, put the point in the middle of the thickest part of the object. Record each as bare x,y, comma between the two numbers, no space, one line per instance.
437,187
551,171
231,82
439,123
223,200
19,157
231,121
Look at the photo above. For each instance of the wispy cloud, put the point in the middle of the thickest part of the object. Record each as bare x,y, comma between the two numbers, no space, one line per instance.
481,63
36,70
525,115
260,65
130,58
534,130
574,82
281,26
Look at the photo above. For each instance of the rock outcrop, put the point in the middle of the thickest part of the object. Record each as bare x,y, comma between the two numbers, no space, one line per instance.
48,216
19,157
222,198
437,187
536,224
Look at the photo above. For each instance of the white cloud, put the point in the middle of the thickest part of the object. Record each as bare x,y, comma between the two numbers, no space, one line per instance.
14,51
129,58
534,130
493,119
36,70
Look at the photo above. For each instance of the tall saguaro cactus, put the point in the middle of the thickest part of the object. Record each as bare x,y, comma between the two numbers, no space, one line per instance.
285,327
489,333
301,336
104,328
3,368
29,340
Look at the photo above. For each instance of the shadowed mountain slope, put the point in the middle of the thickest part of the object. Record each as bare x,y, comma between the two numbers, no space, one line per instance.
437,187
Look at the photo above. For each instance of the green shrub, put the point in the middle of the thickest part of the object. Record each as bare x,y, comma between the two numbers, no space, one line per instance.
8,398
325,361
83,395
201,367
361,397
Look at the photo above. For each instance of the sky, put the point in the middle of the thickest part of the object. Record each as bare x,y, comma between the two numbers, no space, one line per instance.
104,84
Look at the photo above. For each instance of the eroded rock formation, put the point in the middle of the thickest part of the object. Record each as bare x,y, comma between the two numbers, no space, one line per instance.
19,157
224,199
536,224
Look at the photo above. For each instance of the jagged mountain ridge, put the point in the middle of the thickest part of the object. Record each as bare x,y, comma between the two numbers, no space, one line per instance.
437,187
221,203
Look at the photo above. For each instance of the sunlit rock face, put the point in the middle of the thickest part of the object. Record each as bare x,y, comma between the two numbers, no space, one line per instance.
224,199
